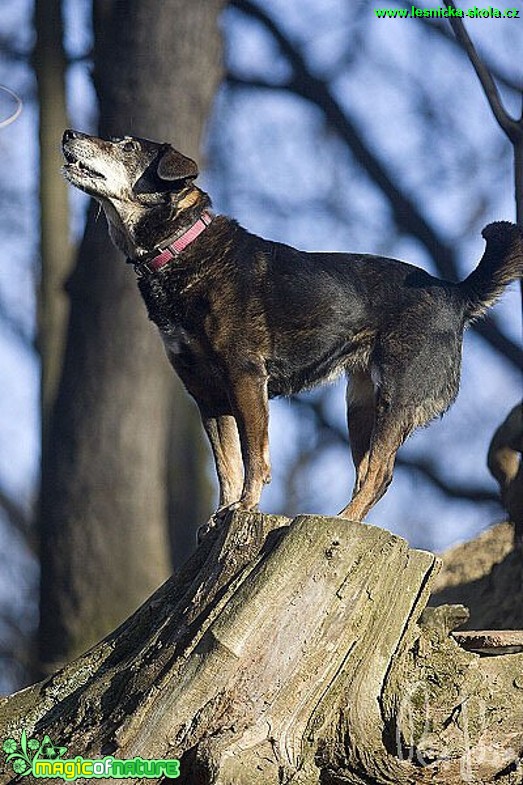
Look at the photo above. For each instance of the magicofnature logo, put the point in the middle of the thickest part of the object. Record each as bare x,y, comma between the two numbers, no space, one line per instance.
46,759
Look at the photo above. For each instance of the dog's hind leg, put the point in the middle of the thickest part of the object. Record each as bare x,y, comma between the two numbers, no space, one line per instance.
361,405
390,431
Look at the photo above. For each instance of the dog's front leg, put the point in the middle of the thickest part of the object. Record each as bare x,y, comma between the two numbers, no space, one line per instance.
250,403
225,444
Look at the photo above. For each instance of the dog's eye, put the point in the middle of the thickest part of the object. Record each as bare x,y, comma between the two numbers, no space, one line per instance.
128,147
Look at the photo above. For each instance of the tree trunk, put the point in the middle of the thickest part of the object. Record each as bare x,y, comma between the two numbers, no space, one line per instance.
103,512
518,187
289,652
55,250
189,486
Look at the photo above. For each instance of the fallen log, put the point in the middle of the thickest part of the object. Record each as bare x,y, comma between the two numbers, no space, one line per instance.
289,651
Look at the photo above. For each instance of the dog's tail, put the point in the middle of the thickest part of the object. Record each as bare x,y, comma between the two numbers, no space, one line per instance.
501,264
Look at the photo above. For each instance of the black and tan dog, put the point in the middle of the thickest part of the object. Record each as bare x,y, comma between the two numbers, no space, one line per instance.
244,319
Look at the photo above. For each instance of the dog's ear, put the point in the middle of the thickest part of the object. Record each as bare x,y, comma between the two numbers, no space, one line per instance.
175,166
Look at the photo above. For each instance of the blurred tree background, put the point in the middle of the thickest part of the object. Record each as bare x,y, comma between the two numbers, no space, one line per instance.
330,129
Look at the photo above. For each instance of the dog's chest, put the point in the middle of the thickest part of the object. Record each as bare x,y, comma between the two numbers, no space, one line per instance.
178,341
177,313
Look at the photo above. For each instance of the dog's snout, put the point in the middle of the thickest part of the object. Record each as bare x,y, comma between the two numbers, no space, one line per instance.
70,135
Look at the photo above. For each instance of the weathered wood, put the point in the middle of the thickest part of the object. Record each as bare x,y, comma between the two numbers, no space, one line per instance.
486,575
491,641
289,652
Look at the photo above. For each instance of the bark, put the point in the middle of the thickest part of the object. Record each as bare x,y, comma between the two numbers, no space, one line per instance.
290,651
103,521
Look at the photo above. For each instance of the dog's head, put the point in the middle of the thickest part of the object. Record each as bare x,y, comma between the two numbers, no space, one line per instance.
143,186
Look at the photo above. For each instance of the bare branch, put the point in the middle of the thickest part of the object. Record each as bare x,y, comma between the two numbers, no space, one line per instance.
17,516
509,125
15,328
435,27
471,493
12,52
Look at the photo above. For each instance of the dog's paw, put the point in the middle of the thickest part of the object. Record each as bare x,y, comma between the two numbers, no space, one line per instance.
216,519
203,530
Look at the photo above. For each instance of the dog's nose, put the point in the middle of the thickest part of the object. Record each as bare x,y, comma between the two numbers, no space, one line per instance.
69,135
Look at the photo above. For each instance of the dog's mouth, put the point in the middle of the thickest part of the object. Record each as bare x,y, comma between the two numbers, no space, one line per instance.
74,164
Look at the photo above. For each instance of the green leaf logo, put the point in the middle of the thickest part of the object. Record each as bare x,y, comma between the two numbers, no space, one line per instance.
21,755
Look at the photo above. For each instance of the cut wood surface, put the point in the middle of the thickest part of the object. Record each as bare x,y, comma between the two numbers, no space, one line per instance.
290,651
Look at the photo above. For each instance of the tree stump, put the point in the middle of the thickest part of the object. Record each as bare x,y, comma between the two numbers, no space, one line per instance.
289,651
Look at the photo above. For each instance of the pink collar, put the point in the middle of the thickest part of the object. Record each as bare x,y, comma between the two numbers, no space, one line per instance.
175,247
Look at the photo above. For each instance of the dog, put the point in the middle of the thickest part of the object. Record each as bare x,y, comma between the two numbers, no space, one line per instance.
244,319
